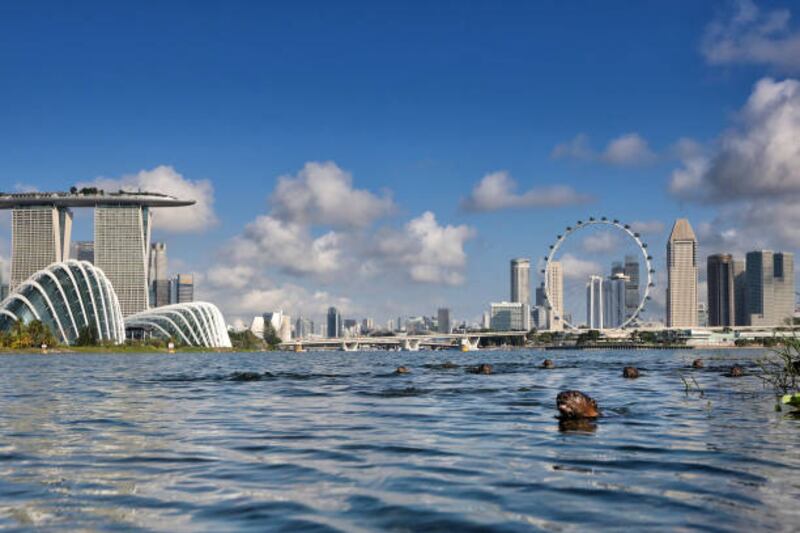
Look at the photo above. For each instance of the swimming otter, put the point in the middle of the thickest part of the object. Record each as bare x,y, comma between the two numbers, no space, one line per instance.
697,363
630,372
548,363
402,370
574,404
736,371
245,376
483,368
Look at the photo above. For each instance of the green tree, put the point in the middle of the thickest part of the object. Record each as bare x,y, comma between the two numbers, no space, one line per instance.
87,337
271,336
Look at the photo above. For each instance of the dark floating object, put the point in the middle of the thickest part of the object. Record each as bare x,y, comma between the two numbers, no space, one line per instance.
630,372
483,368
573,405
246,376
402,370
698,363
548,363
735,371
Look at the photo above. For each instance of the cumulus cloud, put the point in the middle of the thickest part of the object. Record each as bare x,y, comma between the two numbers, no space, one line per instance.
323,193
166,180
627,150
430,252
601,242
748,35
630,149
498,190
577,268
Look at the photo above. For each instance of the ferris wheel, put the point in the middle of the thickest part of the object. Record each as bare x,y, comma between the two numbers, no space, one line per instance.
624,229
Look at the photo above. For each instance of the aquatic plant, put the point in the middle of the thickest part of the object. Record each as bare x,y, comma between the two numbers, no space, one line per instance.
780,368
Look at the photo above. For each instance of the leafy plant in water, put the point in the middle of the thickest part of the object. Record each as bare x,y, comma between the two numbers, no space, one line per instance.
780,368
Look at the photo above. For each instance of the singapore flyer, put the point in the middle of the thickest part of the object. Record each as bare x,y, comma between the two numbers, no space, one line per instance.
614,302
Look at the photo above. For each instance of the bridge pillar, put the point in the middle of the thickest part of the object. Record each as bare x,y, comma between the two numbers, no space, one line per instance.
470,344
411,345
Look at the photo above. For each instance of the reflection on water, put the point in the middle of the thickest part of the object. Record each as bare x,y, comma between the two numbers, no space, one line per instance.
337,441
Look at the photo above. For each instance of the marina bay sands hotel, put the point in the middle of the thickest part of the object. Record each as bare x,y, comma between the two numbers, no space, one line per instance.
42,224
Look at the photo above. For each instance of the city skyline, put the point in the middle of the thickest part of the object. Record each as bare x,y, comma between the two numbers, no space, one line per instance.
311,200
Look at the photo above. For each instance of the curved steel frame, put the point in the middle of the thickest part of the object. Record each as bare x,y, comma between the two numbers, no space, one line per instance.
626,229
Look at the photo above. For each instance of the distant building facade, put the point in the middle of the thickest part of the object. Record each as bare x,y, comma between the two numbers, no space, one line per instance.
720,277
682,276
770,288
40,236
334,323
158,279
521,280
594,302
182,289
83,251
740,292
632,295
614,303
443,320
555,296
510,316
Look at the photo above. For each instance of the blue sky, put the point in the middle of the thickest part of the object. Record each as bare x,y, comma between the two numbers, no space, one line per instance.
415,102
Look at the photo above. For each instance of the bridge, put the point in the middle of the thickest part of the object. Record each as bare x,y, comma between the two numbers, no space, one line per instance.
411,343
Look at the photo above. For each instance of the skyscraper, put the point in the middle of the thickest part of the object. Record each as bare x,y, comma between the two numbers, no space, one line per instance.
40,236
682,276
740,292
721,290
83,251
443,320
157,275
594,302
3,284
121,247
770,288
182,289
632,295
334,323
555,288
521,280
614,309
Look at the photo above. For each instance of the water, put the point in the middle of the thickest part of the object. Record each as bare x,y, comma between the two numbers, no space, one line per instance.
335,441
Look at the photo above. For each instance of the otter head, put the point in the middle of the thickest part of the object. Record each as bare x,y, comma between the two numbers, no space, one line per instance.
575,404
401,370
630,372
697,363
548,363
736,371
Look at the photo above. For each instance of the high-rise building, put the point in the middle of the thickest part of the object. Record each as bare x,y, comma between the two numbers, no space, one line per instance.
121,247
182,288
770,288
367,325
721,290
3,284
682,276
521,280
740,292
82,251
40,236
614,309
158,280
334,323
443,320
555,288
632,294
594,302
303,328
510,316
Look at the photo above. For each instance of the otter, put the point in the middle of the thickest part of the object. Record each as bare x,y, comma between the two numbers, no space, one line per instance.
697,363
573,404
630,372
402,370
735,371
246,376
483,368
548,363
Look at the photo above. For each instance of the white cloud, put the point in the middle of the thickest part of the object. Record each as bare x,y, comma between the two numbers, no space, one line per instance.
430,253
497,191
577,268
749,35
166,180
601,242
323,193
628,150
268,241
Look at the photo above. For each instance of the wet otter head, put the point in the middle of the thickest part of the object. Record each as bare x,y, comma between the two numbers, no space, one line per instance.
548,363
630,372
736,371
697,363
573,404
402,370
483,368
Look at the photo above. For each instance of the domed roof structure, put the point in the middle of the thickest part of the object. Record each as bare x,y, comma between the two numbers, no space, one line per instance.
191,323
68,297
